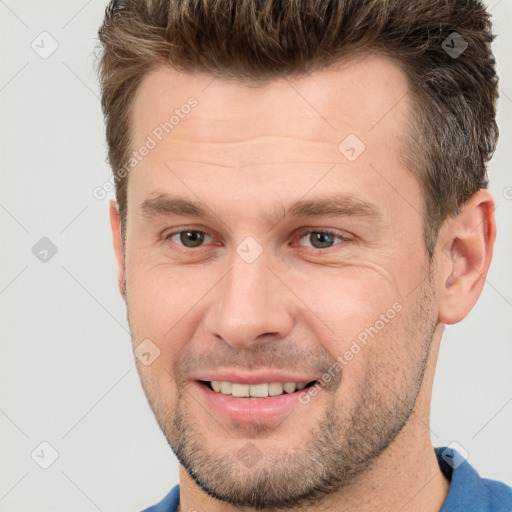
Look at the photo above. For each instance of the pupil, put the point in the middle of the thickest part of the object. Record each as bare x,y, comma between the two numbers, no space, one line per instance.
191,238
323,239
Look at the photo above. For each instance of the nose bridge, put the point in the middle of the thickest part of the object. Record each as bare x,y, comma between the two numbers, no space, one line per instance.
250,303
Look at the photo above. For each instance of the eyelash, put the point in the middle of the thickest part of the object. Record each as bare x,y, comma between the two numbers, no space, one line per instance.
301,236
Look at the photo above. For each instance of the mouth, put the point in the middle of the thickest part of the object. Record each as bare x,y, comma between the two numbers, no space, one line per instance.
255,391
259,403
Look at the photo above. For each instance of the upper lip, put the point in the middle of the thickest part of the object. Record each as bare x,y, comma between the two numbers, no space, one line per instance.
258,377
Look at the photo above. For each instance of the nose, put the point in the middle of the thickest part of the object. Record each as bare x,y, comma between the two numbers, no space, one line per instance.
250,306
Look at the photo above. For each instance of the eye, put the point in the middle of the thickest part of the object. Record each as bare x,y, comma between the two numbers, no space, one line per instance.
322,239
188,238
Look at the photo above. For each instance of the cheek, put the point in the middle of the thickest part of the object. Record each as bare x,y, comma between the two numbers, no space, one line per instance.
160,304
157,307
347,301
355,313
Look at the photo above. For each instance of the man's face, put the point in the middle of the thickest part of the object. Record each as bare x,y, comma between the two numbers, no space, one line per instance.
307,253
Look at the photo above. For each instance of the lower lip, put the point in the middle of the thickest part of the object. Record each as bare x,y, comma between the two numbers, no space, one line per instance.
250,410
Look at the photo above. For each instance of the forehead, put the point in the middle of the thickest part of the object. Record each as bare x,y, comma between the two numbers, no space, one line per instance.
274,133
367,93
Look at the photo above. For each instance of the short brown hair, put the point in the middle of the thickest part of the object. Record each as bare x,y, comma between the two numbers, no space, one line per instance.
453,127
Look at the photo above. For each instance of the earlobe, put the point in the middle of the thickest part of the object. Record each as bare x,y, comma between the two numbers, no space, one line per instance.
464,257
115,224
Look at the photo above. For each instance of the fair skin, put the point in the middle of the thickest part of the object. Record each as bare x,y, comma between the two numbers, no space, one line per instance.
246,154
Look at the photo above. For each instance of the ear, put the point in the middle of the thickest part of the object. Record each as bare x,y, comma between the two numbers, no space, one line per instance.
115,224
466,244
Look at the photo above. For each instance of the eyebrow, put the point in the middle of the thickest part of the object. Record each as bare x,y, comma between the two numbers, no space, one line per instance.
165,205
342,204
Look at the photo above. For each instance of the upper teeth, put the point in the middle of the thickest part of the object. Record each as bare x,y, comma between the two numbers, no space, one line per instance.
256,390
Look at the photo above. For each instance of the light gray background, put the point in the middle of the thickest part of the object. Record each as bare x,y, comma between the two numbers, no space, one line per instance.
67,374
